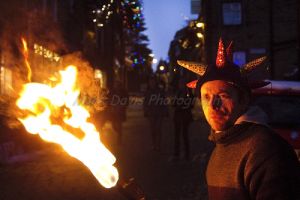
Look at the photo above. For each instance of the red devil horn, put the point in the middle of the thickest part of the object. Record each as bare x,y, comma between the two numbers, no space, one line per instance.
192,84
229,52
220,61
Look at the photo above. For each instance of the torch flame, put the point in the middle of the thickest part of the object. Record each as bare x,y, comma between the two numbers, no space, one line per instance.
53,111
25,54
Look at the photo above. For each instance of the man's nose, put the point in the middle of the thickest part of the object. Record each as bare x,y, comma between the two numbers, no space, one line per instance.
216,103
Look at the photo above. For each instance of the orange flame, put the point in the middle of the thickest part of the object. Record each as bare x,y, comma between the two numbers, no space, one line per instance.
25,54
55,114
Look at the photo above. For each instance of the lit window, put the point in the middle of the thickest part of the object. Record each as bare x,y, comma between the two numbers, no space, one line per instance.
232,13
5,81
239,58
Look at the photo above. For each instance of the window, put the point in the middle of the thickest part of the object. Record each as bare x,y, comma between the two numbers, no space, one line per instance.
195,6
5,81
239,58
232,13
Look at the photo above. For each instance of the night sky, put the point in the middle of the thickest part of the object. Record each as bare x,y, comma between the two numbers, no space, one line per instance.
163,19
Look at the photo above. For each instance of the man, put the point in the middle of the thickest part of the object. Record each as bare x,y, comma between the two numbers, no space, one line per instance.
183,105
155,110
118,104
249,160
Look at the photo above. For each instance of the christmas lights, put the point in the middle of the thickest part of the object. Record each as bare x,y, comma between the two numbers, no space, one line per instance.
46,53
131,14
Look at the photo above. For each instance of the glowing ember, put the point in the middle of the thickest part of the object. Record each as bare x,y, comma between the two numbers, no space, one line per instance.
54,114
25,54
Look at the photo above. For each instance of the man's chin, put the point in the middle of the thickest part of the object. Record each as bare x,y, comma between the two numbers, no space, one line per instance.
219,127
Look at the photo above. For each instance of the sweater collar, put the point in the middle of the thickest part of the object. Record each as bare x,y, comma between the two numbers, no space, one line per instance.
255,115
227,136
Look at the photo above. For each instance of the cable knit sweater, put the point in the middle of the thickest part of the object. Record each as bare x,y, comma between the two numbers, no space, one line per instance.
250,161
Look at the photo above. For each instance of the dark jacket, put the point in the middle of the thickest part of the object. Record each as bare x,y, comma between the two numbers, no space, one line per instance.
250,161
155,103
118,103
183,105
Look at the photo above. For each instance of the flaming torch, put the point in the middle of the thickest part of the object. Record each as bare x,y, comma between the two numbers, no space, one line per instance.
55,114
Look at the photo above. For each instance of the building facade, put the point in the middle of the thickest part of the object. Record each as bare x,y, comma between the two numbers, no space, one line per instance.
258,28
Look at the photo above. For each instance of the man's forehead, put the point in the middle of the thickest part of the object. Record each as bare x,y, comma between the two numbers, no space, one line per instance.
217,86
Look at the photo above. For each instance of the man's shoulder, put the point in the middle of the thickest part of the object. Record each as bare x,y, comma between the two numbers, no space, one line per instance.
261,132
270,159
264,141
262,135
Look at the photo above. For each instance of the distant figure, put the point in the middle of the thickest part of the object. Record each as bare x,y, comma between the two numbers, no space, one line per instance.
155,110
118,102
183,103
102,112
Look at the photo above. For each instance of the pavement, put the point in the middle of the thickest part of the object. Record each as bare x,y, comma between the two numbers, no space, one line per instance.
50,173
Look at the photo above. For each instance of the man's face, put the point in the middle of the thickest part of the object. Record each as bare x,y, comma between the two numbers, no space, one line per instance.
221,104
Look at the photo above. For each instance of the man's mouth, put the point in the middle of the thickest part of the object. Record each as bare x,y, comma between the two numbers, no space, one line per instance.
218,113
217,116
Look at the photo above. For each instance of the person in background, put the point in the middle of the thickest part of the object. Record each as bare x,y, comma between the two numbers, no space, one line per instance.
250,160
155,110
102,109
183,104
118,103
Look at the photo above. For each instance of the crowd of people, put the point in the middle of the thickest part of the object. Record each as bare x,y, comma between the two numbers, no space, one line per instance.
158,104
156,108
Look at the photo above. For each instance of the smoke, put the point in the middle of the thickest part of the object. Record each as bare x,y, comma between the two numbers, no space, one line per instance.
90,91
37,26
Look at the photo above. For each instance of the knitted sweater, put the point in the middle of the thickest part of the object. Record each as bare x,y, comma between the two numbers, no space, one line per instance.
250,161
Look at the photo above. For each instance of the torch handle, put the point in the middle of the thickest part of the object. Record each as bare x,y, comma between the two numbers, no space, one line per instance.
131,190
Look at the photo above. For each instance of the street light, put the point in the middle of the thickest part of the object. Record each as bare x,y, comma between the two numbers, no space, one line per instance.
200,24
161,68
200,35
154,61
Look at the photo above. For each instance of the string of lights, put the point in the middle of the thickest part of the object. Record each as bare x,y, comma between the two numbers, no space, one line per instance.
131,14
103,14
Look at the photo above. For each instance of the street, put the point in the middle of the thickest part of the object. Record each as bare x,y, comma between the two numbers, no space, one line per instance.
52,174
